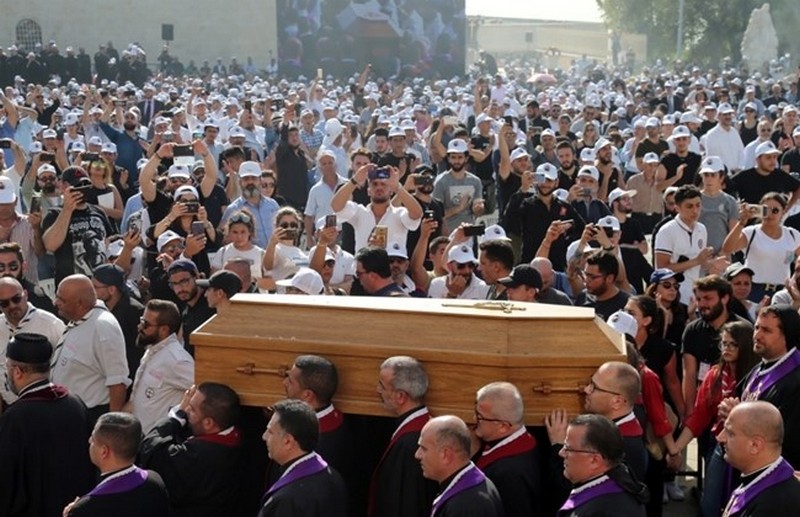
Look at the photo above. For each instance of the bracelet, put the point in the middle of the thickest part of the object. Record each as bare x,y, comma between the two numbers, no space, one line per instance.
353,181
610,248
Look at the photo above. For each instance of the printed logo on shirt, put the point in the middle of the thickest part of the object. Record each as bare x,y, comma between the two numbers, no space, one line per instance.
149,392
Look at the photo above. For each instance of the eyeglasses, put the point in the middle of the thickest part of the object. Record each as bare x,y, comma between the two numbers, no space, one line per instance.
179,180
47,179
13,300
670,285
464,265
569,450
240,218
480,418
728,344
289,225
11,266
145,324
594,387
173,247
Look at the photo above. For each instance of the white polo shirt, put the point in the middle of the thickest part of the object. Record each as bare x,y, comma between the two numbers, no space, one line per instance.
345,264
677,240
476,290
92,357
165,373
35,321
396,219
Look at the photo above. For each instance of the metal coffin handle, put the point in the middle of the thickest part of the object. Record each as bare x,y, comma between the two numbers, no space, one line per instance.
547,389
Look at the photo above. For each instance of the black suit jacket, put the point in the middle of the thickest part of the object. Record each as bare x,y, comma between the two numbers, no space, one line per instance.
157,106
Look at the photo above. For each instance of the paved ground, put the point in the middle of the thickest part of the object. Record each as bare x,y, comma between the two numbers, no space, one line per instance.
689,507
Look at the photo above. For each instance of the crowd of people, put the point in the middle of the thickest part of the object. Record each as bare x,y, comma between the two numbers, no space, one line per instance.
132,213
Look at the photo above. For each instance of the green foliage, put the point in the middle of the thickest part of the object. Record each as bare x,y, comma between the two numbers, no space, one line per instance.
712,28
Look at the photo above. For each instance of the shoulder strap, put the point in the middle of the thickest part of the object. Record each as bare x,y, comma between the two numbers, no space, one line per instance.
750,243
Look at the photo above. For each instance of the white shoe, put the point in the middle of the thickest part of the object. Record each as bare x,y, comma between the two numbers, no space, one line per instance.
674,491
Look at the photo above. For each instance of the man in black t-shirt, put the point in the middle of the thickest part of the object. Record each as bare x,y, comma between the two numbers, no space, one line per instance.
601,292
752,184
397,156
653,143
480,159
76,233
680,167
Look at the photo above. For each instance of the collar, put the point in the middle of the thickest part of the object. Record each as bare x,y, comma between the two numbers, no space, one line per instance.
409,417
35,386
766,366
505,441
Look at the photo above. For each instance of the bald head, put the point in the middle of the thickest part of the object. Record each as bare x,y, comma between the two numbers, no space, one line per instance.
625,379
7,282
761,418
505,401
545,269
75,297
450,431
241,267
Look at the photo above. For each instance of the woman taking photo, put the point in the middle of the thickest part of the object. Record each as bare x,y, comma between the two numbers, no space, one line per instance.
185,211
769,247
664,288
103,191
736,360
283,256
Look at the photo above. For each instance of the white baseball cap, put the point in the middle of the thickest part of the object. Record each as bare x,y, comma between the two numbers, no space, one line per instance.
520,152
681,132
249,169
623,323
609,221
766,148
618,193
397,249
165,238
306,280
651,158
457,145
462,254
548,170
591,171
712,164
494,232
8,192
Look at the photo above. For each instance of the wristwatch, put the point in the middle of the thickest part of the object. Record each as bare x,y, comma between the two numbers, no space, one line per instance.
353,181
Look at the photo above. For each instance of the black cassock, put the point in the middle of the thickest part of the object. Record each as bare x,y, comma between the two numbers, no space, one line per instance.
319,495
481,500
148,499
44,452
515,470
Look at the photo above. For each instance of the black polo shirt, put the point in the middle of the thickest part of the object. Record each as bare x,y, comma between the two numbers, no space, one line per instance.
701,340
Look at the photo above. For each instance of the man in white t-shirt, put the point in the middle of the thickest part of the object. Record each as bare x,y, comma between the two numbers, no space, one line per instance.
382,183
460,281
682,244
724,141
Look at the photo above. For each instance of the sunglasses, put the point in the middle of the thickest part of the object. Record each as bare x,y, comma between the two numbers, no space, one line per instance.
289,225
13,300
670,285
241,218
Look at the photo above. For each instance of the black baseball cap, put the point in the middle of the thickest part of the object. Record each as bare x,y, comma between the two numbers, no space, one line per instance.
226,281
523,274
110,274
73,175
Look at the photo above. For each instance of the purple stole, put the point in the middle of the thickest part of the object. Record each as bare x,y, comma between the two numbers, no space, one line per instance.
304,467
778,472
761,381
602,486
125,481
469,477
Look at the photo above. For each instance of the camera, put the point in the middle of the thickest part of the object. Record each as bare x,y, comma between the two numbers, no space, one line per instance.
474,230
192,207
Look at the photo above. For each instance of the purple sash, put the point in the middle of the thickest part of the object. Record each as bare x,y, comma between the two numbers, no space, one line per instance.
305,468
760,382
123,483
468,478
742,496
605,487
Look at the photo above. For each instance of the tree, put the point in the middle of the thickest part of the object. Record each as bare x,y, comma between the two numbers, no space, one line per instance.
712,30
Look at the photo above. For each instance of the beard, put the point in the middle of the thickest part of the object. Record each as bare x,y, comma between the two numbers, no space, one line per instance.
604,161
426,189
49,188
143,340
251,191
129,126
713,312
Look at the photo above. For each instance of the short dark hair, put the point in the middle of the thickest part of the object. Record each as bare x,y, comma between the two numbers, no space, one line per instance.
167,313
442,240
299,420
606,262
375,260
499,251
234,152
319,375
381,131
714,283
602,435
565,144
120,432
13,247
685,192
221,403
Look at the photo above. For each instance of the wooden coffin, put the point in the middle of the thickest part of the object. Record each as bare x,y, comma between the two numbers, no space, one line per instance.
549,352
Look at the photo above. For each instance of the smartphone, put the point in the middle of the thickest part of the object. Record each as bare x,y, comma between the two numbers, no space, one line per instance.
474,230
423,180
183,155
119,103
90,157
197,135
167,114
168,136
248,105
134,226
83,189
379,174
450,120
608,231
380,236
36,204
319,74
538,178
757,210
192,207
47,157
587,192
198,228
60,135
330,221
427,214
5,143
567,222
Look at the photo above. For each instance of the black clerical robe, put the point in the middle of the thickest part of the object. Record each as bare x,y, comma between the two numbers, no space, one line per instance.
149,498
